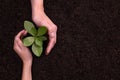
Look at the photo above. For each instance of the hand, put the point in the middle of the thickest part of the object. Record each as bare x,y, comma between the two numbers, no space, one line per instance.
41,19
22,51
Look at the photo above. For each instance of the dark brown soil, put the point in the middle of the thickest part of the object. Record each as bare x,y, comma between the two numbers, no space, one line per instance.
88,45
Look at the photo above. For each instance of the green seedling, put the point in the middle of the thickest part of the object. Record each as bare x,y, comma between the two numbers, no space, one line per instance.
36,37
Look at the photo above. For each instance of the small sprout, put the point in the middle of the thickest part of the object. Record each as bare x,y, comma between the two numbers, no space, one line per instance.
36,39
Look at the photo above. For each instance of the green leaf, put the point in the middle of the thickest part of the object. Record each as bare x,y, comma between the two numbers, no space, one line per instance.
44,38
41,31
30,28
33,31
37,50
38,42
28,41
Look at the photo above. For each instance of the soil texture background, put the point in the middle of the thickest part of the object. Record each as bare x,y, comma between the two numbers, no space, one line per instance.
88,43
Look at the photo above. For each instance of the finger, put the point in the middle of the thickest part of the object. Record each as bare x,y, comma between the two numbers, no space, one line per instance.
20,43
15,44
25,32
19,35
50,45
55,38
16,47
52,38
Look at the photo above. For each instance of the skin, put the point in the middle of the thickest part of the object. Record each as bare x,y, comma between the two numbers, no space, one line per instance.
25,55
41,19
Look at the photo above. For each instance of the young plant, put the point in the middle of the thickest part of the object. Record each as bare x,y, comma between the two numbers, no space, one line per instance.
36,37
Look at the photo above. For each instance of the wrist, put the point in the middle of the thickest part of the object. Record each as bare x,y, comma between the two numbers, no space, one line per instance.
28,63
37,11
38,17
37,5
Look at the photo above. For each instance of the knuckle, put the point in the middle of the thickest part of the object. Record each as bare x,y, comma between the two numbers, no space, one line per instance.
19,42
52,29
55,27
17,39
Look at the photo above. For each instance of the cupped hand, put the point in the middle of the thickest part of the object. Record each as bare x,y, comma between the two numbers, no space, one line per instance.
41,19
22,51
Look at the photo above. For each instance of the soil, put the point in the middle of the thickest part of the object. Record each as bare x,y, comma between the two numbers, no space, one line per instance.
88,43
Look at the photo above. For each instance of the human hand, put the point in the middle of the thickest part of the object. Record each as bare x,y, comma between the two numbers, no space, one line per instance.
22,51
41,19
